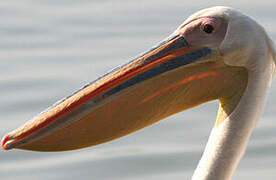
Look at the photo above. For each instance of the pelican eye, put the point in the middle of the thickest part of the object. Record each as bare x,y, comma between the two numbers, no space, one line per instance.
208,28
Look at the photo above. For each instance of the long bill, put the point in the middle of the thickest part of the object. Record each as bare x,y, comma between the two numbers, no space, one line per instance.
171,77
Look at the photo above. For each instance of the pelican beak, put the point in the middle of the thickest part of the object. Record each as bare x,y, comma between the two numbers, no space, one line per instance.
169,78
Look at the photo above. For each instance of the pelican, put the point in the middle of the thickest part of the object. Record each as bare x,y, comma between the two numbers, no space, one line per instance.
216,54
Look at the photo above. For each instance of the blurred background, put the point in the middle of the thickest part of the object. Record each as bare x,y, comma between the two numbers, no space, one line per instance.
49,49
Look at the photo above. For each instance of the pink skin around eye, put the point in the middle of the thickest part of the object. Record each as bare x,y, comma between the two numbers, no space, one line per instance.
194,34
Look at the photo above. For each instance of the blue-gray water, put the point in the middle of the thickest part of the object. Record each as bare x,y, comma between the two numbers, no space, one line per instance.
51,48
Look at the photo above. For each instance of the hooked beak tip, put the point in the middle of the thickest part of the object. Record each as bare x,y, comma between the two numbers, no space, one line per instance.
4,141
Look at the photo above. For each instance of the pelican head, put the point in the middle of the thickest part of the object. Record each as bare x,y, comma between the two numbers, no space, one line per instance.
216,54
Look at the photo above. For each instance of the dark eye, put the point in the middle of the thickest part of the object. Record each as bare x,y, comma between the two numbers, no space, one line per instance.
208,28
